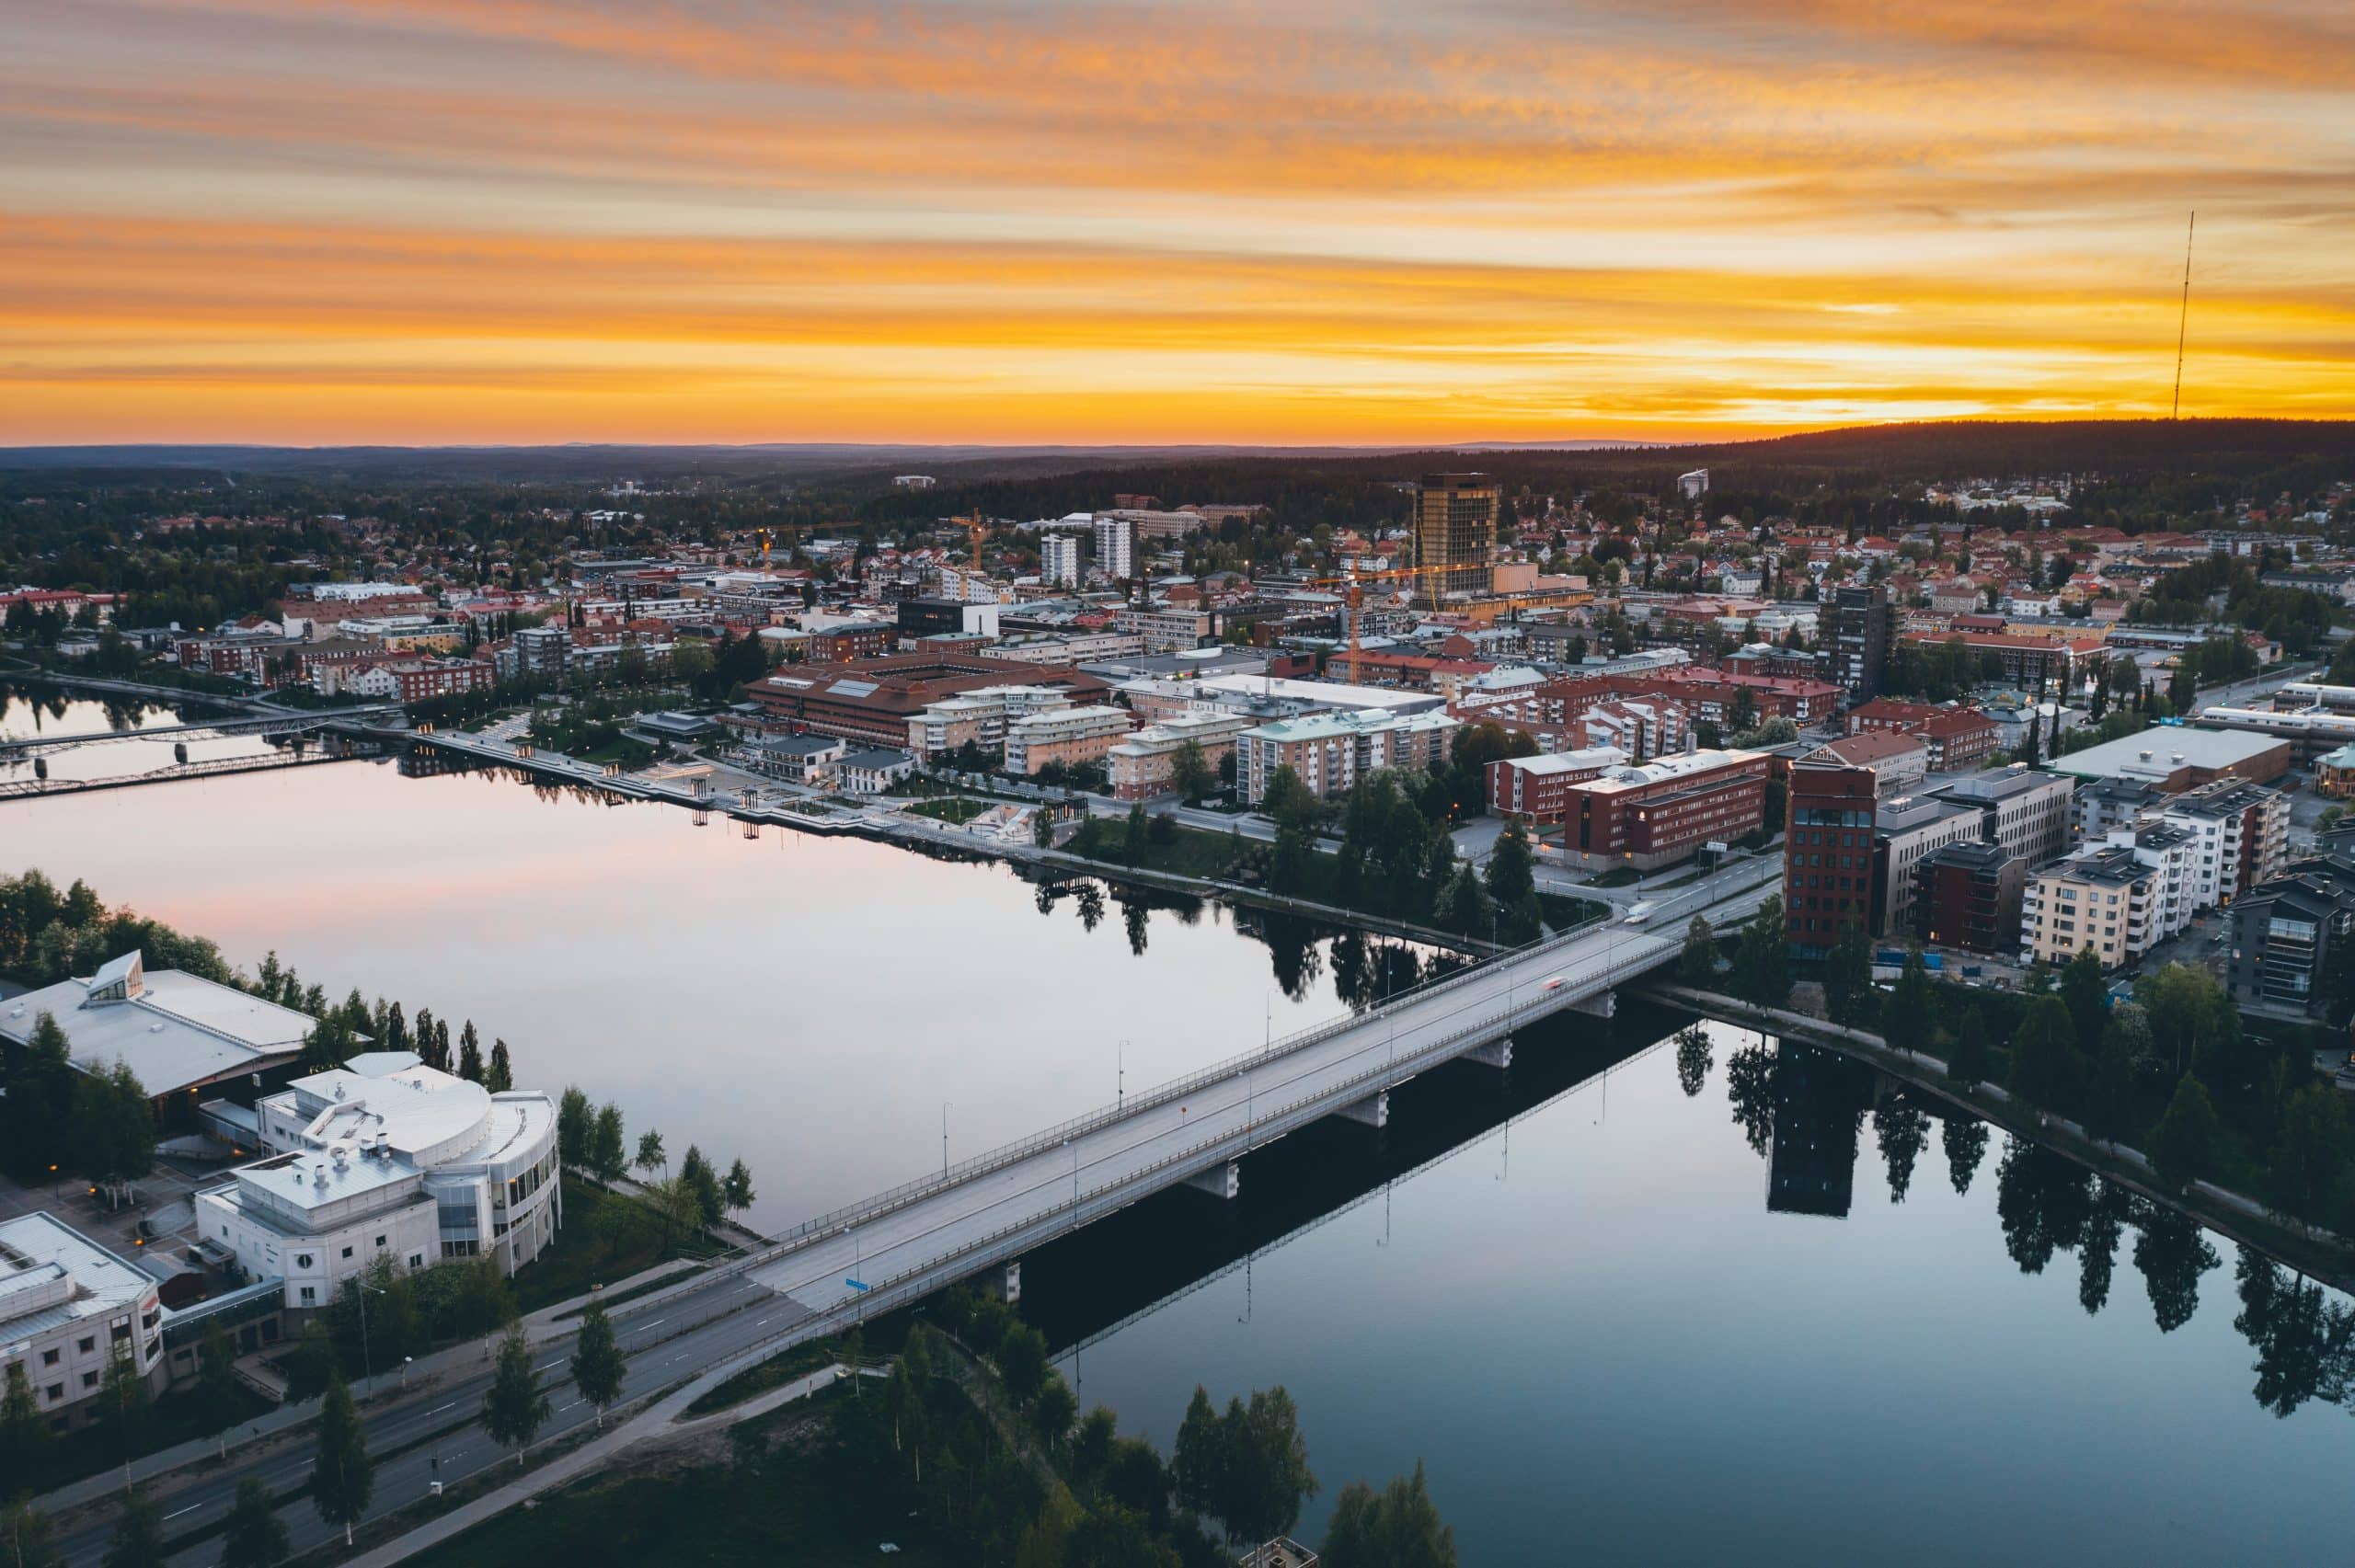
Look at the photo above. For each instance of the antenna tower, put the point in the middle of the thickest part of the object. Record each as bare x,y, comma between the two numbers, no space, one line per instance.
2183,318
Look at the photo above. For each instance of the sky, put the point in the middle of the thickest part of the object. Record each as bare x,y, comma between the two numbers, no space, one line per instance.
463,220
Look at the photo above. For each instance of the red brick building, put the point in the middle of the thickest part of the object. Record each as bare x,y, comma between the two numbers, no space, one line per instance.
1828,855
1538,789
1958,737
1653,814
838,645
872,699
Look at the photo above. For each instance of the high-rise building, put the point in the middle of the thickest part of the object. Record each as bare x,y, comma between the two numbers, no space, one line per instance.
1059,560
1828,855
1855,649
1116,545
1456,530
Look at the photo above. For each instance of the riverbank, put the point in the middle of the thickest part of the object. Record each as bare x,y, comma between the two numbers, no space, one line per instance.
2317,1253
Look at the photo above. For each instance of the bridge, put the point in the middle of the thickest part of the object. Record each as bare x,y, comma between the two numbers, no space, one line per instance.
277,724
983,1214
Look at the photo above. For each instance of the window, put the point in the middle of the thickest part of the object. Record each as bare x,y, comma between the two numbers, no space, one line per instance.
347,1251
89,1379
55,1391
88,1345
309,1295
303,1260
49,1357
380,1242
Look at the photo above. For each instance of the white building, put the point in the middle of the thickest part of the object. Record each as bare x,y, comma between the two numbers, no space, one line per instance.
386,1158
177,1032
1692,486
1059,560
1067,735
1116,545
1330,752
68,1307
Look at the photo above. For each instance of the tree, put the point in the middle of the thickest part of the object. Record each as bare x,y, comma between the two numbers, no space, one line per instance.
1965,1140
343,1477
1136,839
650,1155
138,1534
1191,773
312,1365
1848,976
2086,991
736,1187
1903,1132
25,1540
1267,1474
125,1405
1091,1446
2183,1144
24,1432
2046,1063
701,1180
574,1124
254,1535
513,1408
1510,875
607,1158
114,1126
2183,688
1288,801
1397,1528
1022,1361
597,1364
1699,964
218,1395
1054,1411
470,1054
1967,1065
1198,1458
1042,829
1762,961
1912,1011
2310,1157
484,1301
501,1076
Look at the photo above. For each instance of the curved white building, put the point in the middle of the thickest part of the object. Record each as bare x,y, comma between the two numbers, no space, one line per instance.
387,1158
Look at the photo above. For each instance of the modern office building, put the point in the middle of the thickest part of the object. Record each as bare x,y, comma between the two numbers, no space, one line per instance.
1647,815
1907,832
68,1307
2021,808
1456,530
386,1158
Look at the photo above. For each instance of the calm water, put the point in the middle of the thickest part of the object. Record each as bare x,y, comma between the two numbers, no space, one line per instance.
26,713
1640,1317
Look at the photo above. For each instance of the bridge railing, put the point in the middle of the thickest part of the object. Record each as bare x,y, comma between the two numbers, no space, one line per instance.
1022,1149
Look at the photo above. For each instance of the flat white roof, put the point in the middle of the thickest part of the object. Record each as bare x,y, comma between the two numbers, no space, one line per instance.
180,1031
1551,762
2211,748
51,1274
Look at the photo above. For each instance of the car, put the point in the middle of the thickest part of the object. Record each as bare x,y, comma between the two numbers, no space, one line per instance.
1556,983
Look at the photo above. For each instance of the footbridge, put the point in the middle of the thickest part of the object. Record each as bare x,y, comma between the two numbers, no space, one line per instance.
981,1216
277,725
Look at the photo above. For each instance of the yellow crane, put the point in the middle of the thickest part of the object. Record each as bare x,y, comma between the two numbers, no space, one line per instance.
1355,583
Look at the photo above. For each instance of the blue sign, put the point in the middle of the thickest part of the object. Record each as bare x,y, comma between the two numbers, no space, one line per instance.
855,1285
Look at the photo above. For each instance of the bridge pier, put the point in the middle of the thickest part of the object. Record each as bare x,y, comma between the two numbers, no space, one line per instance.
1495,1053
1374,1111
1603,1004
1005,1284
1219,1181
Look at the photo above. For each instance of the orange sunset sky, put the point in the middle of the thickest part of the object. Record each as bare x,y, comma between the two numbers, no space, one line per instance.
324,221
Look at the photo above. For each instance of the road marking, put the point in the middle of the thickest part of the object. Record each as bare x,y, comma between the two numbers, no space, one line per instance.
558,1362
643,1327
190,1509
440,1408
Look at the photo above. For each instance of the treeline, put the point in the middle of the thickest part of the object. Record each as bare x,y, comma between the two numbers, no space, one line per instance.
2297,618
592,1139
1235,1478
2172,1072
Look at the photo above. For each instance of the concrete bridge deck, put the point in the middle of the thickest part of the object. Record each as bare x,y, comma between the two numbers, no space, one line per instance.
991,1209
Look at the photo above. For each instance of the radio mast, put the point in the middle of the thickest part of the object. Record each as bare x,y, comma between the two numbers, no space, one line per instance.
2183,318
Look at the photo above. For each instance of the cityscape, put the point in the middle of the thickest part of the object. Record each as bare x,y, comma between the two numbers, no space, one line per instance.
1001,785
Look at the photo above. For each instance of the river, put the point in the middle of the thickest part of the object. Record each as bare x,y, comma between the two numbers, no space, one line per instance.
1672,1313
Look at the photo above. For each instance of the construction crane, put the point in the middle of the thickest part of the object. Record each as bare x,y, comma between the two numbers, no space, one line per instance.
1355,583
975,528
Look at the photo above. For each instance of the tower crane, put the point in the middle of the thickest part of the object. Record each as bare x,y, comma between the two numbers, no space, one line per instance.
1355,598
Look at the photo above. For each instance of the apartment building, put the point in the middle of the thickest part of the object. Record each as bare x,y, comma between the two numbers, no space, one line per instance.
1539,789
68,1307
2105,897
1897,759
1956,737
1968,895
1908,831
1116,545
1071,736
1142,764
1059,560
2241,833
2286,936
1167,629
980,716
1330,752
1856,644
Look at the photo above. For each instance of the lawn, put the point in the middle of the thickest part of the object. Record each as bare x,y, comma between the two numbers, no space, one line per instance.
591,1249
1562,912
775,1372
808,1504
956,810
1186,852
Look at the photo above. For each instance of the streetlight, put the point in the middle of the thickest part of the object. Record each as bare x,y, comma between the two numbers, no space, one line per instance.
943,1140
1121,1079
